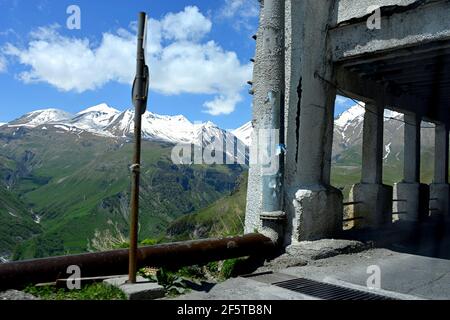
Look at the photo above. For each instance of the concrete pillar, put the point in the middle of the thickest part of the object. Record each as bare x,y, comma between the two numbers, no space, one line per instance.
441,155
440,189
264,200
373,200
314,208
410,196
411,168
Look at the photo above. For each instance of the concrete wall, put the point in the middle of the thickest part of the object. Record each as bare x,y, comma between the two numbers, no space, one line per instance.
355,9
397,31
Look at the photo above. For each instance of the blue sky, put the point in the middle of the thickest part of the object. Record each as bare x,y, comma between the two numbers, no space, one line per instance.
198,53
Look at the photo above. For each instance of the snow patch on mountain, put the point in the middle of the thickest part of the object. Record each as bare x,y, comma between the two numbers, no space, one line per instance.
347,117
39,117
387,150
102,108
244,133
175,129
348,122
94,119
392,114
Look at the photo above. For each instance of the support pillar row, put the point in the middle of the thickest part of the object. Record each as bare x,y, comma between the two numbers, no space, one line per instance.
411,198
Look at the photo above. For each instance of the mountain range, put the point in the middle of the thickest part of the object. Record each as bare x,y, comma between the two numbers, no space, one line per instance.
103,120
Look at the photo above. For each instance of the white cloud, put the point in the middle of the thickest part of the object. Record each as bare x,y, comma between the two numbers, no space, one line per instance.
222,104
243,13
3,64
71,64
180,61
189,24
244,8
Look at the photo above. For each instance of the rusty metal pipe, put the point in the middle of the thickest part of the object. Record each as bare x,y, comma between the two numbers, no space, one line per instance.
172,255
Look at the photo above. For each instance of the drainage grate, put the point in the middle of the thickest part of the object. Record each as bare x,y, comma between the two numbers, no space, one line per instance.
327,291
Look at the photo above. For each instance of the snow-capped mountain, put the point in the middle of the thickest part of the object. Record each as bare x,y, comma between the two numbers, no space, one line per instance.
106,121
39,117
176,129
348,129
95,118
244,133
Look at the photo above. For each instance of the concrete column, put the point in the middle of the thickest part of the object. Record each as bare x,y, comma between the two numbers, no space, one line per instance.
373,200
410,196
264,199
314,208
441,155
411,167
440,189
372,147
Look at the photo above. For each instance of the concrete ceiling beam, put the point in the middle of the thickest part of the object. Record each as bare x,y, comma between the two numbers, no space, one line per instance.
427,24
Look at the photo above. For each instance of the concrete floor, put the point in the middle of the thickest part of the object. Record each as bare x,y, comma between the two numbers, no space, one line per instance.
403,276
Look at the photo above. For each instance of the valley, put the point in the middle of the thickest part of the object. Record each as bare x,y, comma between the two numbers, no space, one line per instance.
70,185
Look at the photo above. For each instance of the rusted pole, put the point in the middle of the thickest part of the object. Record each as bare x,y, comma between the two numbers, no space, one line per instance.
172,255
140,91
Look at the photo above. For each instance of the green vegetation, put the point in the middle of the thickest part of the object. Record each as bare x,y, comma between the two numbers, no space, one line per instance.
173,282
96,291
225,217
16,222
179,281
79,185
229,268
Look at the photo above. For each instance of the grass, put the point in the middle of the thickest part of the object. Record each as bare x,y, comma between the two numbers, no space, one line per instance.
179,281
16,222
96,291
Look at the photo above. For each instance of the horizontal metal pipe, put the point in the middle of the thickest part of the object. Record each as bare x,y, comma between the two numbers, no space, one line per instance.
171,255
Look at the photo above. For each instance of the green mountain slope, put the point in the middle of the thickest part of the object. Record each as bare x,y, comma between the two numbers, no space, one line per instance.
16,223
78,184
225,217
346,170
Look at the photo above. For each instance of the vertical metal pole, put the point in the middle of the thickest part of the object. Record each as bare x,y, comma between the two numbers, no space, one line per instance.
139,104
